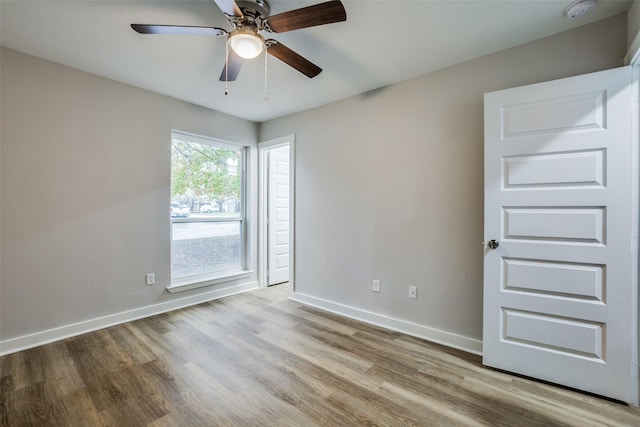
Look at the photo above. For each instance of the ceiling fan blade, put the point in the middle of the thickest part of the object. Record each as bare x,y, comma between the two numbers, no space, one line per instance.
229,7
178,29
293,59
234,62
310,16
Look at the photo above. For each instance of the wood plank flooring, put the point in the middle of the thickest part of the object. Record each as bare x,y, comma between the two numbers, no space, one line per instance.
258,359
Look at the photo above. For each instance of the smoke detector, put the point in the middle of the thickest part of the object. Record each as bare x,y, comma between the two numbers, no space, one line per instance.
580,8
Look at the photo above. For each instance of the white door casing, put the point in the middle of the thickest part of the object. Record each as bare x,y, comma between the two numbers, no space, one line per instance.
559,291
278,215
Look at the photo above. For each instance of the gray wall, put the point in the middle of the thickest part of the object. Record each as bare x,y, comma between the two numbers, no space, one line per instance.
389,184
633,22
85,177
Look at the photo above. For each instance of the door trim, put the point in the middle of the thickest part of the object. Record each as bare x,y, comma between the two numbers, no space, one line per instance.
635,207
263,148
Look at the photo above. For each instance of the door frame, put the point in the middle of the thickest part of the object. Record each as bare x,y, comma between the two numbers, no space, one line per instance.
263,181
635,207
633,58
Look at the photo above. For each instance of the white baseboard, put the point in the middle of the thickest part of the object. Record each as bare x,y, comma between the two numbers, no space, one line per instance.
39,338
449,339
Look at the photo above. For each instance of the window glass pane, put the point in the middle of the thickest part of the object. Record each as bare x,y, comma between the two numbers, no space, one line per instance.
206,207
205,247
206,177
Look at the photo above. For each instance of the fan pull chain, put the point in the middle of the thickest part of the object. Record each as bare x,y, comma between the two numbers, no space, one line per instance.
266,95
226,68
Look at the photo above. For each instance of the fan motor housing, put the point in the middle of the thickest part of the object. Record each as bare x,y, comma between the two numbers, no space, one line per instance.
256,9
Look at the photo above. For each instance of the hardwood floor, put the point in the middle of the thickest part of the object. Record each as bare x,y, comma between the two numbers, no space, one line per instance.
257,359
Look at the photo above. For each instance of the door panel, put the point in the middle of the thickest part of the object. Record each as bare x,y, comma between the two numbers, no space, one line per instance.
558,290
278,216
569,280
579,224
574,169
569,113
554,333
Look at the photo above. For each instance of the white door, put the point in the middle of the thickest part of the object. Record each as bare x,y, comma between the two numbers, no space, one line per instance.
559,297
278,216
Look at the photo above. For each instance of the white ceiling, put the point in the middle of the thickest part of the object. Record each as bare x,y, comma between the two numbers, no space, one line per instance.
382,42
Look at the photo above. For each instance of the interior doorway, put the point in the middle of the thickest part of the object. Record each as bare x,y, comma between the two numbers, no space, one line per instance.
276,211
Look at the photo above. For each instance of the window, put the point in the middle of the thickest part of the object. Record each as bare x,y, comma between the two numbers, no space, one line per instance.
207,209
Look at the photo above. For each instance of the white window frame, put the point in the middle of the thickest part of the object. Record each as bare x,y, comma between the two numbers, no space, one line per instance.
208,279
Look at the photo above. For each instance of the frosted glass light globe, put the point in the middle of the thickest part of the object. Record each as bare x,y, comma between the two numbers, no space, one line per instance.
247,44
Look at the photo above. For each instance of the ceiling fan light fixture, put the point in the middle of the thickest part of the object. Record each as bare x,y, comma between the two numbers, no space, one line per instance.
246,43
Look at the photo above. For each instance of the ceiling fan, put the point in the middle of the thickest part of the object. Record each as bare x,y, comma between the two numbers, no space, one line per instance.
248,18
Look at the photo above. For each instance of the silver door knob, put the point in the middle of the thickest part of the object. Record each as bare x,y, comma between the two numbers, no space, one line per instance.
493,244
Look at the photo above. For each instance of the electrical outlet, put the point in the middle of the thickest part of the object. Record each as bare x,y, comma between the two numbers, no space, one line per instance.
413,292
151,278
376,285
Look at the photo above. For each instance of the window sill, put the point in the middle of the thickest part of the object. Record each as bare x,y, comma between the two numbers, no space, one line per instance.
195,282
